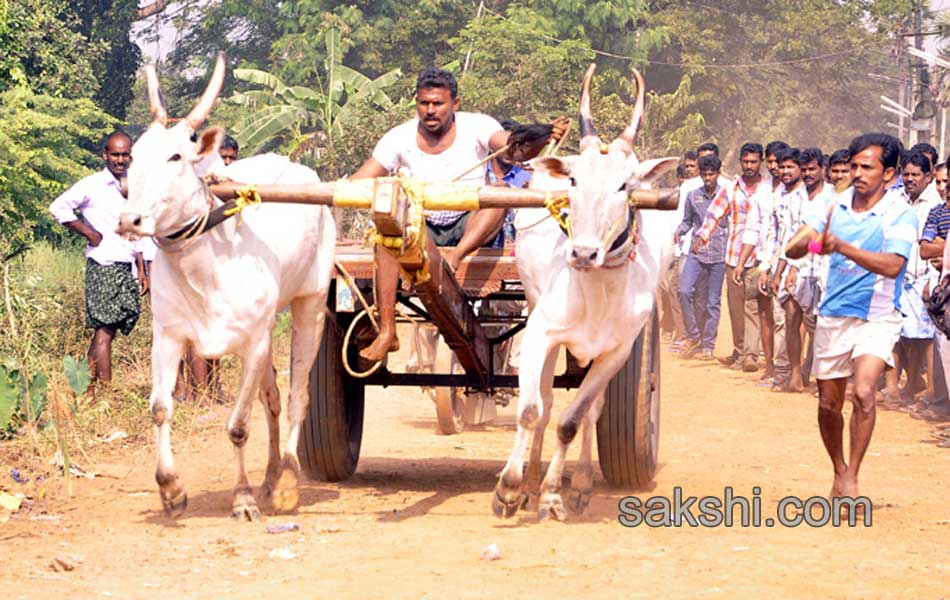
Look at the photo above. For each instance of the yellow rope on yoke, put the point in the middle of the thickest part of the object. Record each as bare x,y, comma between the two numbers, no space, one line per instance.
246,196
555,206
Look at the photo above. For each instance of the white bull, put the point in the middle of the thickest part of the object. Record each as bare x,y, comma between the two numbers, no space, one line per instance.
221,290
590,298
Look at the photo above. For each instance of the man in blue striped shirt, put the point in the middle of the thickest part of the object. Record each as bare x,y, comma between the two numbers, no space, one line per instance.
935,230
869,233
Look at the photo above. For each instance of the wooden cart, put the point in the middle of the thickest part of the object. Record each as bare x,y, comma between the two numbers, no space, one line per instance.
329,447
628,429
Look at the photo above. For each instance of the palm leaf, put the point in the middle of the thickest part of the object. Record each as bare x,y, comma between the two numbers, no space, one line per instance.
263,125
333,63
373,89
262,78
254,98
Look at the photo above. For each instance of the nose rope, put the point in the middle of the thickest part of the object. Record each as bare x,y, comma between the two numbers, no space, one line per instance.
625,251
185,237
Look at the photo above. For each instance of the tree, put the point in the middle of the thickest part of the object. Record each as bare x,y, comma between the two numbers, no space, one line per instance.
518,71
776,70
46,144
39,45
108,23
304,118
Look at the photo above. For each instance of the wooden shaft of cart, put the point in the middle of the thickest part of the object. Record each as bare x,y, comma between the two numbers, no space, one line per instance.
435,196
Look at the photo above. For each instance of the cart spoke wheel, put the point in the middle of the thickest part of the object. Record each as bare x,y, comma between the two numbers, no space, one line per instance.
449,401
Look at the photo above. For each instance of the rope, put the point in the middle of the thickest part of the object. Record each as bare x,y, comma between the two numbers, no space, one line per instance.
187,239
346,344
483,161
246,196
368,312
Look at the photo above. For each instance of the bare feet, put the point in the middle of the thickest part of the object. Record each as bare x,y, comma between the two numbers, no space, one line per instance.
793,386
385,343
454,259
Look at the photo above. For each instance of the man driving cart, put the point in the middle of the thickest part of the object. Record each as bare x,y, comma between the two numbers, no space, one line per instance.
443,145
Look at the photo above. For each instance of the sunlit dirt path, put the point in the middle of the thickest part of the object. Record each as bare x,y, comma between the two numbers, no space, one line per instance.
412,521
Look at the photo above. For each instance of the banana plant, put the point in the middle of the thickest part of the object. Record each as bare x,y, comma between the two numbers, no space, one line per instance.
303,116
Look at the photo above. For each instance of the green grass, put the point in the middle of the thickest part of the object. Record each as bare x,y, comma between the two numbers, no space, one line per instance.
47,296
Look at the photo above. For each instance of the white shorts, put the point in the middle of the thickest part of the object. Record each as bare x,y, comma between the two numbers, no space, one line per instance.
840,340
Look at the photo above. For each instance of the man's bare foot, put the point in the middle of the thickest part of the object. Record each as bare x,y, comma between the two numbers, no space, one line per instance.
848,486
792,386
385,343
453,259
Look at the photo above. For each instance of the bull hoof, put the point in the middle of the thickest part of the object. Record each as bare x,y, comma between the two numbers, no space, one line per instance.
285,496
246,512
579,500
244,507
174,505
551,507
506,508
530,500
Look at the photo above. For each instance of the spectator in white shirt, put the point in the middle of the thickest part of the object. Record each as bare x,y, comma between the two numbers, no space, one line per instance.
112,292
671,319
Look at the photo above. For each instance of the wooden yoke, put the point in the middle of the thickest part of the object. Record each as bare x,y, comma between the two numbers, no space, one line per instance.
434,196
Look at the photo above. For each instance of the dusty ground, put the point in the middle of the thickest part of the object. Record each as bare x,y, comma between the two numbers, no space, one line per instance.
413,520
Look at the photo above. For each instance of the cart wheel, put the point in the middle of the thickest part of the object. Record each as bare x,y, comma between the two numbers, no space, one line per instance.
332,431
449,401
628,431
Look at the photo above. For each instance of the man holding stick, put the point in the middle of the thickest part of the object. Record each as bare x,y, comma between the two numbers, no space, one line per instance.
442,144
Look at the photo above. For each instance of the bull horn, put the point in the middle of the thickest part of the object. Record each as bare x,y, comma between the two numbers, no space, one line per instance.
155,97
629,134
199,114
587,119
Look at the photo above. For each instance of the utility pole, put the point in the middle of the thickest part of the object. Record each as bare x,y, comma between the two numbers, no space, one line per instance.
922,67
901,89
468,55
925,113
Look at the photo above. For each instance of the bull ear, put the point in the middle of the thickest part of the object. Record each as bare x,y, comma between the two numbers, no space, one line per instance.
208,143
650,170
553,166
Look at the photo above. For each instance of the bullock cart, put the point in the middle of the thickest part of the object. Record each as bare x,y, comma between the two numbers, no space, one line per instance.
465,362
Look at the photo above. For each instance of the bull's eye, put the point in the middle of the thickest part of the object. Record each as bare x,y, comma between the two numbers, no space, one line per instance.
174,157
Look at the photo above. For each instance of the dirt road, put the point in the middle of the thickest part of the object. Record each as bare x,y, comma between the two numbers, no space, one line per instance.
412,521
